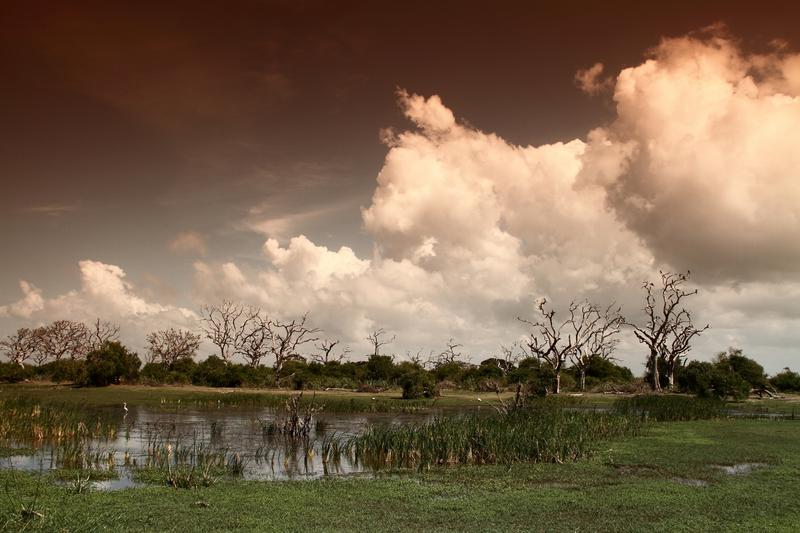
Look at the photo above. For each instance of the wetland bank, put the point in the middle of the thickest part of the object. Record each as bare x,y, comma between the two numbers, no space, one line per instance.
212,461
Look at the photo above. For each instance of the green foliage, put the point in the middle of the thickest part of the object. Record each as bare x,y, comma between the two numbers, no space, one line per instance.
786,381
748,369
111,363
64,370
418,384
733,375
14,373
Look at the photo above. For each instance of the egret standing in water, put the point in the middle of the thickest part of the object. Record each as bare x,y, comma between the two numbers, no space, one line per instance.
125,407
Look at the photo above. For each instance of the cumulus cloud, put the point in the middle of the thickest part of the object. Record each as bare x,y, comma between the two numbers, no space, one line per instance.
188,242
468,228
104,292
703,159
699,169
30,303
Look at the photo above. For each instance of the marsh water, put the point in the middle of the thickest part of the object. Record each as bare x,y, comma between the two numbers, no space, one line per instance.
225,432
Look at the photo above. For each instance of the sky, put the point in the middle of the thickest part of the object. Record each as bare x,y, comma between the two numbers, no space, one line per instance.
428,168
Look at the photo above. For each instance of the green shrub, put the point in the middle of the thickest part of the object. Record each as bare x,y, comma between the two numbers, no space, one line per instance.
14,372
786,381
72,370
111,363
418,384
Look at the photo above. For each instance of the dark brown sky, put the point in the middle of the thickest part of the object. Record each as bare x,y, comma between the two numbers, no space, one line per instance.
124,124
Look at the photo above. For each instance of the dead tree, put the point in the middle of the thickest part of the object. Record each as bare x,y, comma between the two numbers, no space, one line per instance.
451,354
168,346
101,332
667,327
285,340
376,340
555,341
677,343
326,352
223,325
602,339
509,358
62,338
20,346
255,342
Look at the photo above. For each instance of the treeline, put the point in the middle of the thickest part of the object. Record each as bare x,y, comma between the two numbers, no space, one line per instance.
113,363
572,349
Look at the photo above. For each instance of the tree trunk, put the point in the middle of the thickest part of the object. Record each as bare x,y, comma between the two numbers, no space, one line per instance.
558,382
671,379
656,376
583,379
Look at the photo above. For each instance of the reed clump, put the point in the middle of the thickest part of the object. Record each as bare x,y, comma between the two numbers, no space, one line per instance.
31,422
670,407
551,435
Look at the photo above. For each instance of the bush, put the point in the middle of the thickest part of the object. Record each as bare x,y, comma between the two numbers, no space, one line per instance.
786,381
712,380
111,363
72,370
418,384
213,372
14,373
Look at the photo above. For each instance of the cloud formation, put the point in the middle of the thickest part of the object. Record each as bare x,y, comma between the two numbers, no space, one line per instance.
698,170
706,158
105,292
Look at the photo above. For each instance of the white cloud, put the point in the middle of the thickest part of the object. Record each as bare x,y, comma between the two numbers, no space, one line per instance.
106,293
708,158
698,170
30,303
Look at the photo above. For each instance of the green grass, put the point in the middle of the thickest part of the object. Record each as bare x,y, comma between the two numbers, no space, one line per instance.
628,485
535,434
670,407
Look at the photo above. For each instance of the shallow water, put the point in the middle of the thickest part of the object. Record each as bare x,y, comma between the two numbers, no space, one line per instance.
232,431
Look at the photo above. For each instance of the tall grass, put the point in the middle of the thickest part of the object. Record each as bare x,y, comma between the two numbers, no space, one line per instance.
330,404
31,422
670,407
529,435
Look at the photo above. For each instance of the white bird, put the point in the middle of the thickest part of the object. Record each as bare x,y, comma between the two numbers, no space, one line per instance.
480,400
125,407
373,398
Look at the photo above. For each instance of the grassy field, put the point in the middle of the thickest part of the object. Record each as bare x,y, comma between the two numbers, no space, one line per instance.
668,479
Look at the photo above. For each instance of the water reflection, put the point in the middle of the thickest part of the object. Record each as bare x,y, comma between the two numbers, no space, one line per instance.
151,437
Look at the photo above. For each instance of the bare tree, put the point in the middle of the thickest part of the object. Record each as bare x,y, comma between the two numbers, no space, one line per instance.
168,346
255,341
223,325
509,357
60,339
101,332
376,339
418,360
327,354
20,346
286,338
451,354
602,340
555,341
667,328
